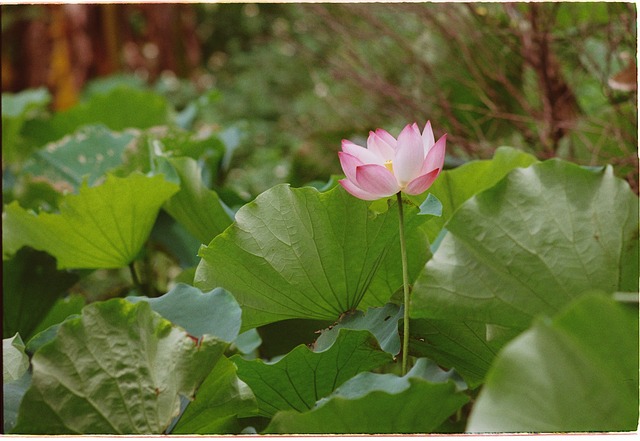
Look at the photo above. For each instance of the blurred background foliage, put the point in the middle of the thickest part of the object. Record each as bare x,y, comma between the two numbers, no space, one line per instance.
553,79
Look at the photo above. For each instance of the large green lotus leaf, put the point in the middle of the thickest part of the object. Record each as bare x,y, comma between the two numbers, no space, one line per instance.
576,373
101,227
454,187
371,403
387,280
118,109
464,345
381,322
221,399
196,207
302,376
299,253
120,368
85,155
31,285
211,313
531,244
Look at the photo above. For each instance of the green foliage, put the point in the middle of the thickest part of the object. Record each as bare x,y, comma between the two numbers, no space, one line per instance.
431,206
118,109
86,155
213,313
60,310
302,377
17,109
464,345
101,227
221,399
176,241
380,403
14,360
576,373
531,244
30,287
454,187
299,253
15,379
12,394
502,269
132,359
387,280
381,322
281,337
196,207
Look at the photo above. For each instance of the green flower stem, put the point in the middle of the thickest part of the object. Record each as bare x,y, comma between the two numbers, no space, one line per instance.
134,278
405,286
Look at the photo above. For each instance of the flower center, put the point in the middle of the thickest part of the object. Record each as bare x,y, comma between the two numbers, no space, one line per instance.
389,165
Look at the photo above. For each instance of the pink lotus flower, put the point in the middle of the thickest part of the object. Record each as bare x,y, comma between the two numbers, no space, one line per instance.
387,166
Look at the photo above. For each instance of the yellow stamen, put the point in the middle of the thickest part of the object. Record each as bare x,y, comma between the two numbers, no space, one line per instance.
389,165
